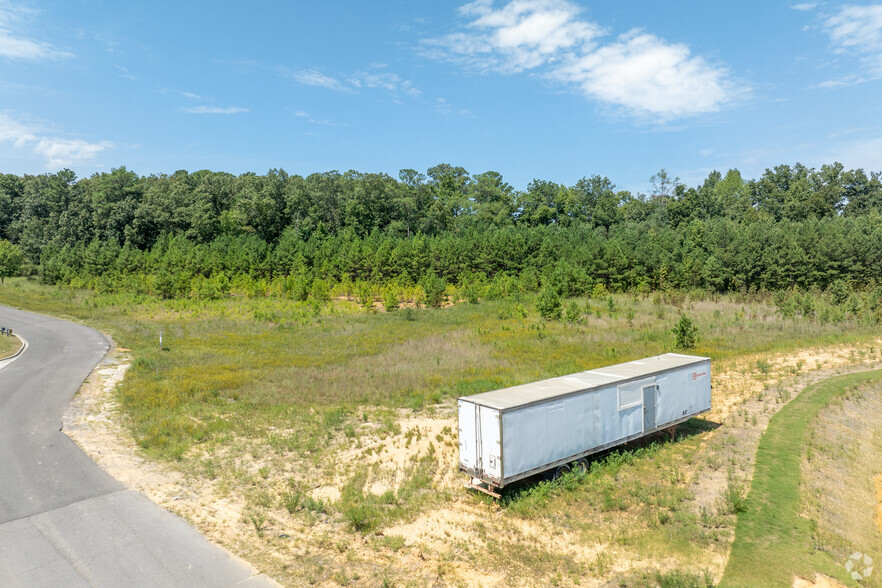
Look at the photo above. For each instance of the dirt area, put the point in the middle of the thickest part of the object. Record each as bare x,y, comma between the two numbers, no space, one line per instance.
441,545
877,515
819,581
841,480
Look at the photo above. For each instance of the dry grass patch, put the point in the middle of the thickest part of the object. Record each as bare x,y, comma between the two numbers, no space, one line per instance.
8,346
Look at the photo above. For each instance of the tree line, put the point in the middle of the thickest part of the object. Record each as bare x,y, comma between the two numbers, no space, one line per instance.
172,235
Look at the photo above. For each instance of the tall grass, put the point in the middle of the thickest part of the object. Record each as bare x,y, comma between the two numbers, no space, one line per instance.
245,365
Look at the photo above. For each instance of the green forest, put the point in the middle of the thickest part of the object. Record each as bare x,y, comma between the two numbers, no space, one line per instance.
208,234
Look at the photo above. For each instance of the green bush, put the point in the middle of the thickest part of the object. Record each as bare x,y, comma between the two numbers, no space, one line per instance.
366,295
363,518
320,291
435,290
299,288
390,300
686,333
574,312
471,293
548,304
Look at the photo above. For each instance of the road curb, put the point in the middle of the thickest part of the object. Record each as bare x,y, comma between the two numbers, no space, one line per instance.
4,361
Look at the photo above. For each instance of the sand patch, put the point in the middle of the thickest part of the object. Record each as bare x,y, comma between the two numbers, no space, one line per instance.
877,515
820,581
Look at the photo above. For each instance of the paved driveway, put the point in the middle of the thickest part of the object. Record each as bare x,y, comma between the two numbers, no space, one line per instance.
63,520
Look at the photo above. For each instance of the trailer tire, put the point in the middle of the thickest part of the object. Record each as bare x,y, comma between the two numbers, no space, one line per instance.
561,470
581,466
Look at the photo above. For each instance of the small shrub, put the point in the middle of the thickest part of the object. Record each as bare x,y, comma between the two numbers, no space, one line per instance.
680,579
435,290
838,292
599,290
686,333
291,500
299,288
610,306
390,300
658,305
313,505
471,293
362,517
574,312
366,295
320,291
548,304
732,501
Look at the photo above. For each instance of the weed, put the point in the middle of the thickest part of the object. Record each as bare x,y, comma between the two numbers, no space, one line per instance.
291,500
258,521
732,500
313,505
679,579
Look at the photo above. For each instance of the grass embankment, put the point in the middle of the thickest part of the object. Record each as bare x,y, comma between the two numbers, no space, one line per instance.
773,542
8,346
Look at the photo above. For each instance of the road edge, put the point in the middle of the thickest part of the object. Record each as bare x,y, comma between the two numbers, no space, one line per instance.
4,361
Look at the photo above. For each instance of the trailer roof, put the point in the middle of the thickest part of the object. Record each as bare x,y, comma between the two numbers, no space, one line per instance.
534,392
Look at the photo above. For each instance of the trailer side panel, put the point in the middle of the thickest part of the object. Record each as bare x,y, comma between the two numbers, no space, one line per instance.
509,434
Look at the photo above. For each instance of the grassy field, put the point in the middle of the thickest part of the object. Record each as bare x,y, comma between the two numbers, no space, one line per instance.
773,541
8,346
329,430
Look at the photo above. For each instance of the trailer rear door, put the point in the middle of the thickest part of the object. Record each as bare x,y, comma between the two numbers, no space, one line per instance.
491,449
469,445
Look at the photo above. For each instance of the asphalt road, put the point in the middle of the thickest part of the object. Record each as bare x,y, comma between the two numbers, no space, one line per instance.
63,520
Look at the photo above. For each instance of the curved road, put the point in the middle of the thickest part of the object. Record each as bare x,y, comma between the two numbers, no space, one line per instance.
63,520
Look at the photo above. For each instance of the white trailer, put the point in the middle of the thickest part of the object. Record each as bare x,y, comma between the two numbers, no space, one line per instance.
513,433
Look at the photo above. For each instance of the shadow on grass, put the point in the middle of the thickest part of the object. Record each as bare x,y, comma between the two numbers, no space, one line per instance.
618,454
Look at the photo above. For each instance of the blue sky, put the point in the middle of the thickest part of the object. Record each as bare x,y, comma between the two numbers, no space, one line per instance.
547,89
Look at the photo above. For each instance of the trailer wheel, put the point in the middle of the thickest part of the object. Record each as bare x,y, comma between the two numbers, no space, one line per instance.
581,466
561,470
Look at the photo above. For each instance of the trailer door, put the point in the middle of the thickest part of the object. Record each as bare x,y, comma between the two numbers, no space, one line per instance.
491,449
649,421
469,445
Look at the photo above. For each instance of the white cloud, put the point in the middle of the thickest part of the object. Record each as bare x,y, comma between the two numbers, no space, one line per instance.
864,153
804,6
58,151
523,34
648,75
14,131
857,26
387,81
445,109
857,30
638,72
214,109
21,49
313,77
17,46
311,120
66,152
